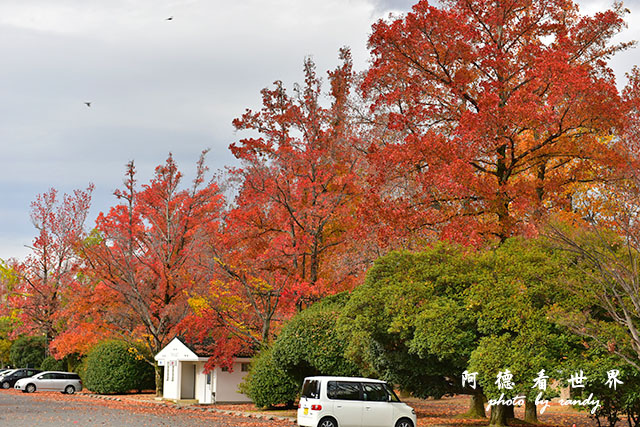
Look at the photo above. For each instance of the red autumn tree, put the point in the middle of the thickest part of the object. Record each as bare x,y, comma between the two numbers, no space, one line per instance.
285,240
37,285
609,203
501,107
143,260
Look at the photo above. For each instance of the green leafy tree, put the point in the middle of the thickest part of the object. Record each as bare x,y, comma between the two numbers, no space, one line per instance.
605,307
50,363
421,319
28,352
409,324
521,280
616,402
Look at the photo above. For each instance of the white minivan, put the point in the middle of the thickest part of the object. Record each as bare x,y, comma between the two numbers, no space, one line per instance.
65,382
351,402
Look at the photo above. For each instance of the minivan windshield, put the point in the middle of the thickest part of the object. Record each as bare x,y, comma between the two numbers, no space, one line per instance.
311,389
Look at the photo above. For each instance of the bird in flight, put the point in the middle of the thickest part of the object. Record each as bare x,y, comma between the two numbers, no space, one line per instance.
169,18
88,104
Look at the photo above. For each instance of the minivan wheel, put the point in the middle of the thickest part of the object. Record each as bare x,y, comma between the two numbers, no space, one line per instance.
30,388
69,389
404,422
328,422
5,384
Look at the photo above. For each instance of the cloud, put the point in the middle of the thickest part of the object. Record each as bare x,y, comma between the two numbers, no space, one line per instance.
395,6
156,86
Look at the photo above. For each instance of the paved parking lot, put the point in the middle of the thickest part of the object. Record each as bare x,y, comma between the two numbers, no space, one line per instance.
58,410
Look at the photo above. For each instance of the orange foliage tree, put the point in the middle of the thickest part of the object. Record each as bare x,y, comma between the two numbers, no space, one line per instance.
143,260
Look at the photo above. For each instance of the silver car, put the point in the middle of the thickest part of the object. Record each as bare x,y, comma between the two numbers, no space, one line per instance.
65,382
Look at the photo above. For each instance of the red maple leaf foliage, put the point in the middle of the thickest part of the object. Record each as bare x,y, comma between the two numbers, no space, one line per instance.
284,243
501,110
143,261
299,181
37,286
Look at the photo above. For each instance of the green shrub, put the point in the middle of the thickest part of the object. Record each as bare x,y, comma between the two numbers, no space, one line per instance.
28,352
117,367
51,364
308,344
268,384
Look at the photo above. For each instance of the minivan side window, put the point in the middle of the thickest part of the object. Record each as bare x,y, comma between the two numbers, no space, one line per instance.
343,390
374,392
311,389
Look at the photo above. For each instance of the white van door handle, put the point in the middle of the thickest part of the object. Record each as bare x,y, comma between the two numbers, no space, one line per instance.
368,407
339,406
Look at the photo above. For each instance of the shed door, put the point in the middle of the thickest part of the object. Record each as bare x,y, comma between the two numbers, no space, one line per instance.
208,388
188,381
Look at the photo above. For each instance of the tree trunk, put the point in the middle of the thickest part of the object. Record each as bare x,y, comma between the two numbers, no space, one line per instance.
530,412
476,406
502,198
498,416
158,371
510,411
542,169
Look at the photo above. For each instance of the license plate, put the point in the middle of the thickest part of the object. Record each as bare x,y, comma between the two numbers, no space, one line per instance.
306,411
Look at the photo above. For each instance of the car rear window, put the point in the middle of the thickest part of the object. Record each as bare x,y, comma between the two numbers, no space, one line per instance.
311,389
343,390
71,376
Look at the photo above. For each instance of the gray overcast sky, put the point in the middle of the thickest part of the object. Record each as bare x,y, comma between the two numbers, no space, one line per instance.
156,86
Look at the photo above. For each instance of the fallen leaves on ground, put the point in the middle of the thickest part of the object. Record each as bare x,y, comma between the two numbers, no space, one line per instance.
139,405
442,412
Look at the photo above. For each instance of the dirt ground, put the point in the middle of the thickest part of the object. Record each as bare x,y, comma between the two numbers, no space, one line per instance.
50,409
446,412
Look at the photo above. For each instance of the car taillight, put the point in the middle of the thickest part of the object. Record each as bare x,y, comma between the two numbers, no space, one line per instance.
299,406
316,407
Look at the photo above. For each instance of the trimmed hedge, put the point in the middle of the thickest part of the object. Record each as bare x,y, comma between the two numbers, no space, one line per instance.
117,367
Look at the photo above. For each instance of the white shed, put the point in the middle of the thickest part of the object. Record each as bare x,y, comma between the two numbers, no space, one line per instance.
184,377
